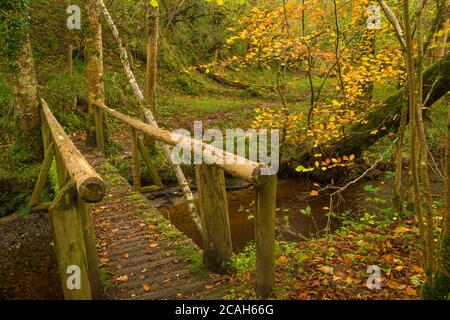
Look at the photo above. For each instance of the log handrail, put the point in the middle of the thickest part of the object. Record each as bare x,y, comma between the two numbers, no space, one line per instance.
236,166
214,217
89,185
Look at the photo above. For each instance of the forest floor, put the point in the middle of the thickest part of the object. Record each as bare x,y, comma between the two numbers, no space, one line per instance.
335,267
28,268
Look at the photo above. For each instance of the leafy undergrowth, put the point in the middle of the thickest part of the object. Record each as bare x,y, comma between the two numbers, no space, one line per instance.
336,267
18,174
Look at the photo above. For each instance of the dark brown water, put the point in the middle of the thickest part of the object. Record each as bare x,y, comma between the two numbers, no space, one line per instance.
292,197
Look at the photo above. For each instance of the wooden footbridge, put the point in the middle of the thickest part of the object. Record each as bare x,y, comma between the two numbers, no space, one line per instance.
103,226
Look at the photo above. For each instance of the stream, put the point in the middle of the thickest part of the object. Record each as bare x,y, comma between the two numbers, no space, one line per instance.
293,196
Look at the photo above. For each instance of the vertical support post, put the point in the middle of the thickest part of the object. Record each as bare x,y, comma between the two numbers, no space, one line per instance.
99,131
70,60
63,175
216,234
265,237
135,167
42,178
70,245
147,159
47,140
87,225
46,135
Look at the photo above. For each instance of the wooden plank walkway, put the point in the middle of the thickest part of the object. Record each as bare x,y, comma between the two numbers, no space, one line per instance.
141,255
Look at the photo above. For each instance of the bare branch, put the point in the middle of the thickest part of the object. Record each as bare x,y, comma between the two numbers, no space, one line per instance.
390,15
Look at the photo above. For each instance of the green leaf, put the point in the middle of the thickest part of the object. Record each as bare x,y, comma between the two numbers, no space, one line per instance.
301,168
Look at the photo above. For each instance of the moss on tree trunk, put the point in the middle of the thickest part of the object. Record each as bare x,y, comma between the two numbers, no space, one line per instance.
26,102
94,46
441,281
436,83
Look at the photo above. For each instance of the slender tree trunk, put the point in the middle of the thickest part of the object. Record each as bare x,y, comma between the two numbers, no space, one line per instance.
423,167
397,199
370,40
447,180
151,77
150,119
96,89
152,60
439,51
413,127
26,101
441,281
309,61
337,46
390,15
418,138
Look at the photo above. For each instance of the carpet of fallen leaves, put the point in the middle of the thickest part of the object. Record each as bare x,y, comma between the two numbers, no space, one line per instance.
336,267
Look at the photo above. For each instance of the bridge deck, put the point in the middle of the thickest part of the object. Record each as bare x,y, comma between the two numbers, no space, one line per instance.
140,253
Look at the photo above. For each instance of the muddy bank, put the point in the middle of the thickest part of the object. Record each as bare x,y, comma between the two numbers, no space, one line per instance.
28,268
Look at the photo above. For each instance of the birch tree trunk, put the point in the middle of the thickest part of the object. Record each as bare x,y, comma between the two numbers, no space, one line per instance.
26,100
94,46
149,117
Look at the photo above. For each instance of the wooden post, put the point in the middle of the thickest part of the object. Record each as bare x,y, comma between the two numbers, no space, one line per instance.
99,131
47,138
46,134
265,237
87,224
42,178
71,163
63,174
43,207
70,245
148,161
70,213
217,244
135,165
70,60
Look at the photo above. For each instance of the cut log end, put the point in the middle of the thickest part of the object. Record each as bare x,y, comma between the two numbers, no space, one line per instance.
258,178
92,190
